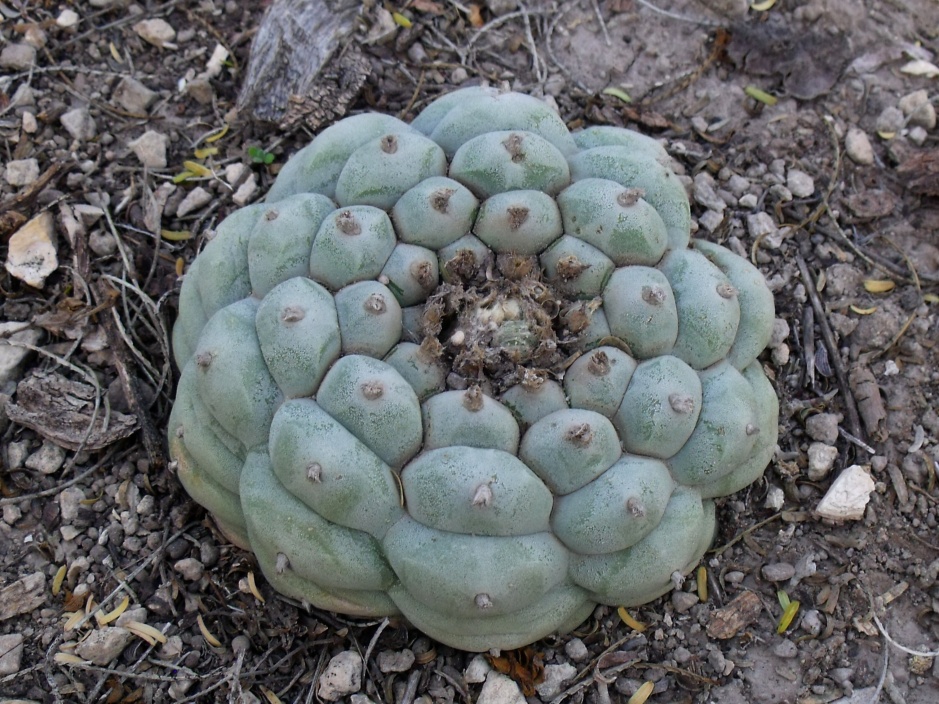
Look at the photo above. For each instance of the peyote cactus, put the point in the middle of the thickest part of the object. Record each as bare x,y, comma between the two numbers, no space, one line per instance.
472,371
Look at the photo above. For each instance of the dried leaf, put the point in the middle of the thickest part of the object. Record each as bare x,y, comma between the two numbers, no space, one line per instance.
783,599
205,152
253,587
702,580
476,16
761,95
524,666
209,638
401,20
270,696
931,298
147,633
879,285
68,659
72,621
182,176
176,235
642,694
215,136
115,54
198,169
863,311
113,615
617,93
630,621
786,619
58,579
763,5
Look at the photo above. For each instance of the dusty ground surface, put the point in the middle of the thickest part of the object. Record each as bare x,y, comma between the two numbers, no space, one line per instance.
832,190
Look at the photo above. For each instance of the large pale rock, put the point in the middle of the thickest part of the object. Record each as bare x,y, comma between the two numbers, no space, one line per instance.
500,689
32,255
11,653
343,676
848,495
104,644
23,595
150,148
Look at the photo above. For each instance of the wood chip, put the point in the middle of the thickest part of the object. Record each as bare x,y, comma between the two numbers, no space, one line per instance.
61,410
23,596
870,403
738,614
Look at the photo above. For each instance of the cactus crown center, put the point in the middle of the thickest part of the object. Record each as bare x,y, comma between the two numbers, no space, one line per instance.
492,322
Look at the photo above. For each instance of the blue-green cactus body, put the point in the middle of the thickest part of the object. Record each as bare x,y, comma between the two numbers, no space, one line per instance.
471,371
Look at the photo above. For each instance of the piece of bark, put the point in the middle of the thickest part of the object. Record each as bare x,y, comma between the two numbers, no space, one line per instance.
738,614
23,595
296,71
870,403
921,171
61,410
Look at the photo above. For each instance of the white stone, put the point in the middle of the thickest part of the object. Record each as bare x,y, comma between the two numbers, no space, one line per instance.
17,57
858,147
157,32
70,500
133,96
477,670
150,149
48,459
79,124
11,355
343,676
247,191
104,644
234,172
761,225
710,220
395,660
918,109
11,653
500,689
554,677
30,124
67,18
799,183
190,569
848,495
32,254
21,172
821,459
775,498
195,199
748,200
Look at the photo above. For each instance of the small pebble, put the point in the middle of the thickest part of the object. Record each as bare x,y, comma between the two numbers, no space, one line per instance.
710,220
823,427
821,459
343,676
811,622
889,122
395,660
197,198
48,459
800,183
683,601
717,661
133,96
858,147
576,650
775,498
477,670
749,201
70,500
150,148
11,653
918,109
157,32
705,194
681,655
67,18
102,645
79,124
778,572
500,689
785,649
17,57
21,172
554,678
189,569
